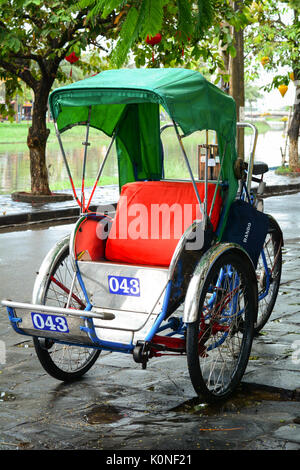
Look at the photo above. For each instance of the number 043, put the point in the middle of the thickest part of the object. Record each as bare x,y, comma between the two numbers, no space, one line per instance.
49,322
124,285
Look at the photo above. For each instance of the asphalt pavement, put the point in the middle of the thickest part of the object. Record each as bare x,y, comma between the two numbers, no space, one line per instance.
117,405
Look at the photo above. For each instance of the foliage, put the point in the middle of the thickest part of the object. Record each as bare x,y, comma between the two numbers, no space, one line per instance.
35,38
192,31
276,35
252,93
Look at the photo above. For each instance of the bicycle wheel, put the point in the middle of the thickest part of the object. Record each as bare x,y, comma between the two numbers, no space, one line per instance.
61,361
219,341
268,274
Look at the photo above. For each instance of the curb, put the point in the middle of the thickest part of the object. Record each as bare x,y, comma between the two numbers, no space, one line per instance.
30,218
71,214
37,217
281,190
22,196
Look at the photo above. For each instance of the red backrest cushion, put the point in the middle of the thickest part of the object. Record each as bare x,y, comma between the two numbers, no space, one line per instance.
150,218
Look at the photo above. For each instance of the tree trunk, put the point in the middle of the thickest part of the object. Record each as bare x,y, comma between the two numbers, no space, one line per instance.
293,133
236,84
36,141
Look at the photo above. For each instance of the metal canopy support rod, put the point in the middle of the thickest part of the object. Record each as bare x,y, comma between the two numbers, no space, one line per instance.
191,173
86,144
71,290
252,152
66,162
218,181
101,169
206,184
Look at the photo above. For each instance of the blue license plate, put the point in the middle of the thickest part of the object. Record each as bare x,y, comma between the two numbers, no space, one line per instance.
122,285
44,321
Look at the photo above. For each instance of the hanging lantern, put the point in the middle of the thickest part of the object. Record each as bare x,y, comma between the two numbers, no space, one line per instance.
178,33
292,76
72,58
182,51
264,60
152,41
283,89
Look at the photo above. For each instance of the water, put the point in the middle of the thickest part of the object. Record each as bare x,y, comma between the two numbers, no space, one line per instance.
15,167
15,164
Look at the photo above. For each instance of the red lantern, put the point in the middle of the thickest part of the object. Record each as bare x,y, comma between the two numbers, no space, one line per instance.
152,41
72,58
182,48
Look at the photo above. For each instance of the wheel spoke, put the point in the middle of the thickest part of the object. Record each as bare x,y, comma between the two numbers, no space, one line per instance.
65,362
67,291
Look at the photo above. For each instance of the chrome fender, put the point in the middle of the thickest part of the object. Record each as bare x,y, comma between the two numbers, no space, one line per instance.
46,267
198,279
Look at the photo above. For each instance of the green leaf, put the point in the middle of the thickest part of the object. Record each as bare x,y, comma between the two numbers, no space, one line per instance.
232,50
184,19
13,43
128,35
101,7
152,17
109,6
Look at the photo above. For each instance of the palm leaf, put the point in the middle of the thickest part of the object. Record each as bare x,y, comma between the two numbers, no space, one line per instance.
184,18
128,34
151,17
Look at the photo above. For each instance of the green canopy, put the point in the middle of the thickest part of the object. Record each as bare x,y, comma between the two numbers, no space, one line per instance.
127,101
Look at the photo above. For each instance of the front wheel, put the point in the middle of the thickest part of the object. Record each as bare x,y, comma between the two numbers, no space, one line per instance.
219,341
61,361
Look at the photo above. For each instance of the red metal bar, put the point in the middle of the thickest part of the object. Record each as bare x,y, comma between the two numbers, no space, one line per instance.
169,341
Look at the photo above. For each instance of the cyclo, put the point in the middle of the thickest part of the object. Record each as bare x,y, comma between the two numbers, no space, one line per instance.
188,283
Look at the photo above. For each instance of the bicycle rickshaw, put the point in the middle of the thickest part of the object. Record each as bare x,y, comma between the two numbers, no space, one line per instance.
143,284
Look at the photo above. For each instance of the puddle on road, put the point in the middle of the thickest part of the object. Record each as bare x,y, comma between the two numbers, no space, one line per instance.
24,344
103,414
245,397
7,396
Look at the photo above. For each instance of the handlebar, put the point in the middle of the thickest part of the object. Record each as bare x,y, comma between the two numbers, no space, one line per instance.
252,151
252,148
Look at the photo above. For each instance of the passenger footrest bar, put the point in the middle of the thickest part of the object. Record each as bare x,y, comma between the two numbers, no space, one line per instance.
58,324
58,310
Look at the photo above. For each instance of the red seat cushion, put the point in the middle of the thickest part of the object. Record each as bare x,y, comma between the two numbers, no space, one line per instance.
150,218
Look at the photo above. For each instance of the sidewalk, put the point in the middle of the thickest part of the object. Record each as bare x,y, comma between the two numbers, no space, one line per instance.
14,213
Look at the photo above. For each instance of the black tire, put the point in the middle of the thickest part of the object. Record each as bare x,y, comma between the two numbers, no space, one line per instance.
267,294
61,361
217,361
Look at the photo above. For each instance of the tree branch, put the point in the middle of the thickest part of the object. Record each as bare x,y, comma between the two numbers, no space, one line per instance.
24,73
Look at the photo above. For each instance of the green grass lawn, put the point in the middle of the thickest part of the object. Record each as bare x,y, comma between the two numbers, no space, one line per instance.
16,133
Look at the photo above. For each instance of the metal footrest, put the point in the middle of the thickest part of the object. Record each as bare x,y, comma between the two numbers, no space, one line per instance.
60,324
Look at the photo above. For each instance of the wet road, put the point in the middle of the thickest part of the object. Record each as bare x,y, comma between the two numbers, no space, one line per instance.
120,406
21,254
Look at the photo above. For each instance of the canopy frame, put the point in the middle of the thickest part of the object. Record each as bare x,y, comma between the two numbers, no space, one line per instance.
115,99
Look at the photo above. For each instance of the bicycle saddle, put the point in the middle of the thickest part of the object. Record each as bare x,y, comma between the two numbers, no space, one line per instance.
259,168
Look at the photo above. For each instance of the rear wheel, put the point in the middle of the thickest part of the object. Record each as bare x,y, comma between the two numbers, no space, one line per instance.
61,361
219,341
268,274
